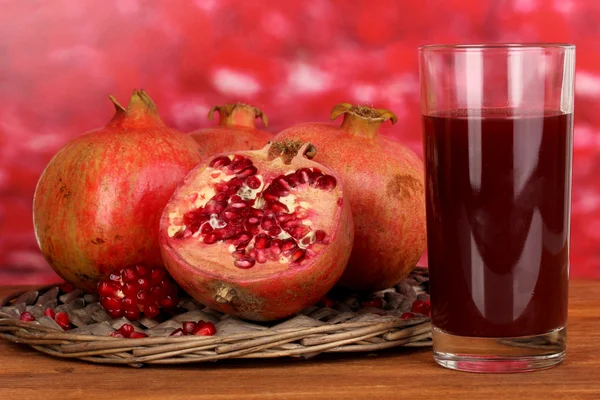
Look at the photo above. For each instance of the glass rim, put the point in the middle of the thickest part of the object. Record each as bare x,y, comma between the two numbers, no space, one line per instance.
497,46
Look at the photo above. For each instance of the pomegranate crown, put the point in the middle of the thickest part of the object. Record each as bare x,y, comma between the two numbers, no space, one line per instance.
364,112
288,149
362,121
238,114
140,108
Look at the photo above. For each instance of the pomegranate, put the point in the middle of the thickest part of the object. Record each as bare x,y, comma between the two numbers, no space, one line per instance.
258,234
384,182
98,202
236,130
135,290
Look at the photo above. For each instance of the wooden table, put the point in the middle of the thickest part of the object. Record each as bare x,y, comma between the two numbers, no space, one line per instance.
400,373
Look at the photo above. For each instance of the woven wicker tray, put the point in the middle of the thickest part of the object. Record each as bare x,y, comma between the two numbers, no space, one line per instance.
348,323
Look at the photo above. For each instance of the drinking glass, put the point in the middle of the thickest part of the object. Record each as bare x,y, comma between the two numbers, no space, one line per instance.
498,131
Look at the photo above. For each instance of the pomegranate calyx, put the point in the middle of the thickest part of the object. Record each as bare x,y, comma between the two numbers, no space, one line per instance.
239,114
288,149
141,110
362,120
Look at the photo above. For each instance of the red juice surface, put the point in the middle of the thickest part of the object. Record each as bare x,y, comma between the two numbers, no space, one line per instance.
498,223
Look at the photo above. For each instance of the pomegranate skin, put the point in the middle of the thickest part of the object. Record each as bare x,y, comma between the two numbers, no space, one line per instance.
385,185
236,130
98,203
268,291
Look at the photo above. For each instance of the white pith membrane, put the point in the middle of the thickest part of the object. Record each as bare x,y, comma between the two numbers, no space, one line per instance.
276,226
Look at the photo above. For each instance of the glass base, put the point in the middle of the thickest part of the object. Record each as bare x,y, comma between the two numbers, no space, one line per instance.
499,355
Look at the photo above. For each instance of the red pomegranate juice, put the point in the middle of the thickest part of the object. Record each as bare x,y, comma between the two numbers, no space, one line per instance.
498,205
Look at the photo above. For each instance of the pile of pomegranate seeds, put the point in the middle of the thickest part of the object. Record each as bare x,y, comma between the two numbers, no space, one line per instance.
252,216
200,328
128,331
61,318
136,290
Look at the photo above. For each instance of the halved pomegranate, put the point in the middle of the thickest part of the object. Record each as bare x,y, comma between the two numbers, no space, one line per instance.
258,234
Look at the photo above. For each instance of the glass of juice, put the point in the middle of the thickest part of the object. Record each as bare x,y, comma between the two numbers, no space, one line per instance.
498,133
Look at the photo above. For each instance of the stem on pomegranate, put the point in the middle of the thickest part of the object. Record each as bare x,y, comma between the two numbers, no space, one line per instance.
362,121
238,114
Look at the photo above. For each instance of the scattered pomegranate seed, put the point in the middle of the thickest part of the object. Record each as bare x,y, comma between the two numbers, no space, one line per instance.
138,335
421,307
126,330
138,289
177,332
49,312
327,302
117,334
407,315
189,327
376,302
205,329
62,319
27,316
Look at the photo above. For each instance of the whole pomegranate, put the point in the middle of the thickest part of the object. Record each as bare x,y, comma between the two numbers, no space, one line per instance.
236,130
384,183
258,234
98,203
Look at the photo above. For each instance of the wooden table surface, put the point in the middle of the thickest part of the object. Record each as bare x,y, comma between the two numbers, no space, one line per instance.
399,373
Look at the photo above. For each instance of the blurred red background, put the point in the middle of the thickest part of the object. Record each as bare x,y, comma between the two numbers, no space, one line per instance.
294,59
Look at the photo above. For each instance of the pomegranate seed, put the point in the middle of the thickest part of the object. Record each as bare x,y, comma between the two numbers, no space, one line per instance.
320,236
49,312
407,315
288,245
114,313
129,275
261,257
151,311
291,223
206,228
205,329
210,238
215,207
141,270
168,301
108,289
285,218
117,334
274,231
297,255
376,302
126,330
111,303
299,232
276,243
144,283
238,254
283,183
177,332
292,179
268,223
219,162
62,319
245,262
132,315
262,241
327,302
114,278
277,207
138,335
247,172
189,327
220,197
157,275
270,196
229,215
304,175
27,316
239,205
325,182
421,307
253,182
130,303
130,289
